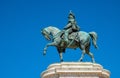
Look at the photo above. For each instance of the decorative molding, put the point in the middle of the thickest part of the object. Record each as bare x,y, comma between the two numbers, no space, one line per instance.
75,70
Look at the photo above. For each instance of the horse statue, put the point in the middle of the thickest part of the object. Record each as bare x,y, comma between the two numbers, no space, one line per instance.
79,39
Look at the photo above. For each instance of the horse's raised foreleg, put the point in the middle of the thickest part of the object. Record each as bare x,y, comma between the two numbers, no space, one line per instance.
49,44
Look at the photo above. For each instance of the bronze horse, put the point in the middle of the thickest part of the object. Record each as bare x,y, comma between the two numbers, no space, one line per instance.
80,40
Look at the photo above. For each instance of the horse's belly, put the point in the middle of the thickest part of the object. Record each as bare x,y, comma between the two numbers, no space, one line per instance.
74,45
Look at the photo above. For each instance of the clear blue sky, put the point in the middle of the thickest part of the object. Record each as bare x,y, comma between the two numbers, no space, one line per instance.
21,43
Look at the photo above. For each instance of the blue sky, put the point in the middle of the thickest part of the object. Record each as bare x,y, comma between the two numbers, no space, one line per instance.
21,43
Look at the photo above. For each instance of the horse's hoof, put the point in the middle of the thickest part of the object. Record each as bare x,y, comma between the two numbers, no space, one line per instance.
44,54
61,60
80,60
93,61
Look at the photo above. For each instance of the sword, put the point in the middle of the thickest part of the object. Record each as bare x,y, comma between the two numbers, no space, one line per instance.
72,40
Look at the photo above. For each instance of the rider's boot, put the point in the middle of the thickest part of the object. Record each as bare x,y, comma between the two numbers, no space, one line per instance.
66,37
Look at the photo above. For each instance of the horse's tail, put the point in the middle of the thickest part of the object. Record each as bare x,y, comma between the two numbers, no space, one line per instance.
93,35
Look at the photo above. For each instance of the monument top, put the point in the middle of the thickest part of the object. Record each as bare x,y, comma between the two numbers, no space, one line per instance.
78,69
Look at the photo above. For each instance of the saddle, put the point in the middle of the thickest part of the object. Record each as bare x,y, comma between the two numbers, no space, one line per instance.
74,36
71,36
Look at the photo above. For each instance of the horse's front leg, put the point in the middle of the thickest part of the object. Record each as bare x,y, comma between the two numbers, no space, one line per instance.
49,44
61,57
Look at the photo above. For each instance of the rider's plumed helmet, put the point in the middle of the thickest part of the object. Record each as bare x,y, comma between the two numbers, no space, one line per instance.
71,17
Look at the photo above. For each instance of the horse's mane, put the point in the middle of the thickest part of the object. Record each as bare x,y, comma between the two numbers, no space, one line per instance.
55,28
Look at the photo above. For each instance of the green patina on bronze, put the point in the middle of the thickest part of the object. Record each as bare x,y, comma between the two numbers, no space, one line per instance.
70,37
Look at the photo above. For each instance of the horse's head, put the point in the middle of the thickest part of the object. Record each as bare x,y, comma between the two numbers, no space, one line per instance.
46,33
49,32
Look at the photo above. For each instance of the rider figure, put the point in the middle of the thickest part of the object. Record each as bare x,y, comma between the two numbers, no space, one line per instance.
71,26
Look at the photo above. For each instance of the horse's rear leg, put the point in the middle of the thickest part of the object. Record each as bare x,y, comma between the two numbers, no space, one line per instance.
92,56
82,56
82,47
87,49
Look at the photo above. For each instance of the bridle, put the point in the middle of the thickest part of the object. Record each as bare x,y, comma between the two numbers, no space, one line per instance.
46,33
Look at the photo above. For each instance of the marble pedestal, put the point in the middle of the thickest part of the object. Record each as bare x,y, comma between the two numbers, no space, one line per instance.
75,70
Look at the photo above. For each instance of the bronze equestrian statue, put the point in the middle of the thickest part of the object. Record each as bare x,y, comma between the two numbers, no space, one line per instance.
70,37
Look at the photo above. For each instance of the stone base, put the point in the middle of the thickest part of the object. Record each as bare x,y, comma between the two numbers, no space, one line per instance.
75,70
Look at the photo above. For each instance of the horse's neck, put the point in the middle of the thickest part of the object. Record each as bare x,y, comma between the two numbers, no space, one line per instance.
54,30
